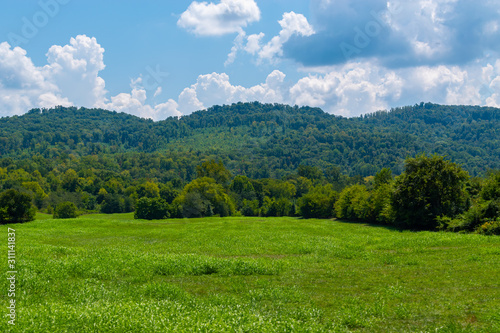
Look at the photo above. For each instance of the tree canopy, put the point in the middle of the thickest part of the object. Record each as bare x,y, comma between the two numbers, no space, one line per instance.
16,207
429,188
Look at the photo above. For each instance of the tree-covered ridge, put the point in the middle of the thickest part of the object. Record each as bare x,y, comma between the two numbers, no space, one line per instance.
266,140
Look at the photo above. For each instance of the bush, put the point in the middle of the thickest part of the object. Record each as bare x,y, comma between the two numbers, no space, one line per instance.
66,210
481,216
318,203
353,203
250,207
115,204
16,207
152,209
492,209
491,189
380,204
277,207
490,228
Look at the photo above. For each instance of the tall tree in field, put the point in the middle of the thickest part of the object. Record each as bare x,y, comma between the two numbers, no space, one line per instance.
16,207
430,187
204,197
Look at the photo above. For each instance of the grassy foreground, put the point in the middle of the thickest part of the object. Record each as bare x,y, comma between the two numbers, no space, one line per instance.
115,274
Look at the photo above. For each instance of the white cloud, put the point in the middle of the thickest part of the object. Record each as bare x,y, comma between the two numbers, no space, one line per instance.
399,33
291,24
491,77
238,44
23,85
136,103
350,90
75,68
158,91
226,17
253,43
354,88
216,88
72,77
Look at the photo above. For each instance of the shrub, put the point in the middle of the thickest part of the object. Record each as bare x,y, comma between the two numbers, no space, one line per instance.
151,209
479,215
318,203
492,209
66,210
353,203
380,204
491,189
250,207
16,207
490,228
277,207
115,204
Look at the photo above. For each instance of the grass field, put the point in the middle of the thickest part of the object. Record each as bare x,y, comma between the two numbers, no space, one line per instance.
115,274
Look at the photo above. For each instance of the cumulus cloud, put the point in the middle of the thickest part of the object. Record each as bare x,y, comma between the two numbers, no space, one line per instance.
71,77
225,17
491,80
350,90
216,88
135,103
291,24
75,69
23,85
253,43
355,88
398,34
238,44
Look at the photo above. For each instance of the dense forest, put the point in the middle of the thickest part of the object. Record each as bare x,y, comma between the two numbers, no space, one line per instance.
262,140
254,159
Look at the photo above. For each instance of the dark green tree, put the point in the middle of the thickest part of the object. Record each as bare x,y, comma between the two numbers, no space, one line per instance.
310,172
70,181
112,204
205,197
168,193
353,203
318,203
16,207
491,189
66,210
215,170
151,209
430,187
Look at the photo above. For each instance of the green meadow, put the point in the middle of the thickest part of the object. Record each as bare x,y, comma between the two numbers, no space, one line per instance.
115,274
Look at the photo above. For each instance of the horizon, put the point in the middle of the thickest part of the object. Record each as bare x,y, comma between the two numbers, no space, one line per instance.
251,102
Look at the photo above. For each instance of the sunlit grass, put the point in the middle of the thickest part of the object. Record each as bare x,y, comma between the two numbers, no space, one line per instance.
112,273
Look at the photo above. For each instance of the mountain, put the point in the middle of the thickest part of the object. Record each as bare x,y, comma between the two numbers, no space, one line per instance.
259,140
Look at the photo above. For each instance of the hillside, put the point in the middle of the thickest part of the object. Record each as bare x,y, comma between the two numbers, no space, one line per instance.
261,140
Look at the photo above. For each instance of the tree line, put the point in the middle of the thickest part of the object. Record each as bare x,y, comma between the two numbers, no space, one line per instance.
432,193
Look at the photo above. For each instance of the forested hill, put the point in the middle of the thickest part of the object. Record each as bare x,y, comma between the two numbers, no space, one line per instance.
263,140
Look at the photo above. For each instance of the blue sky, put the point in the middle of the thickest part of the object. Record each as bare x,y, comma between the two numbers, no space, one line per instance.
155,58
